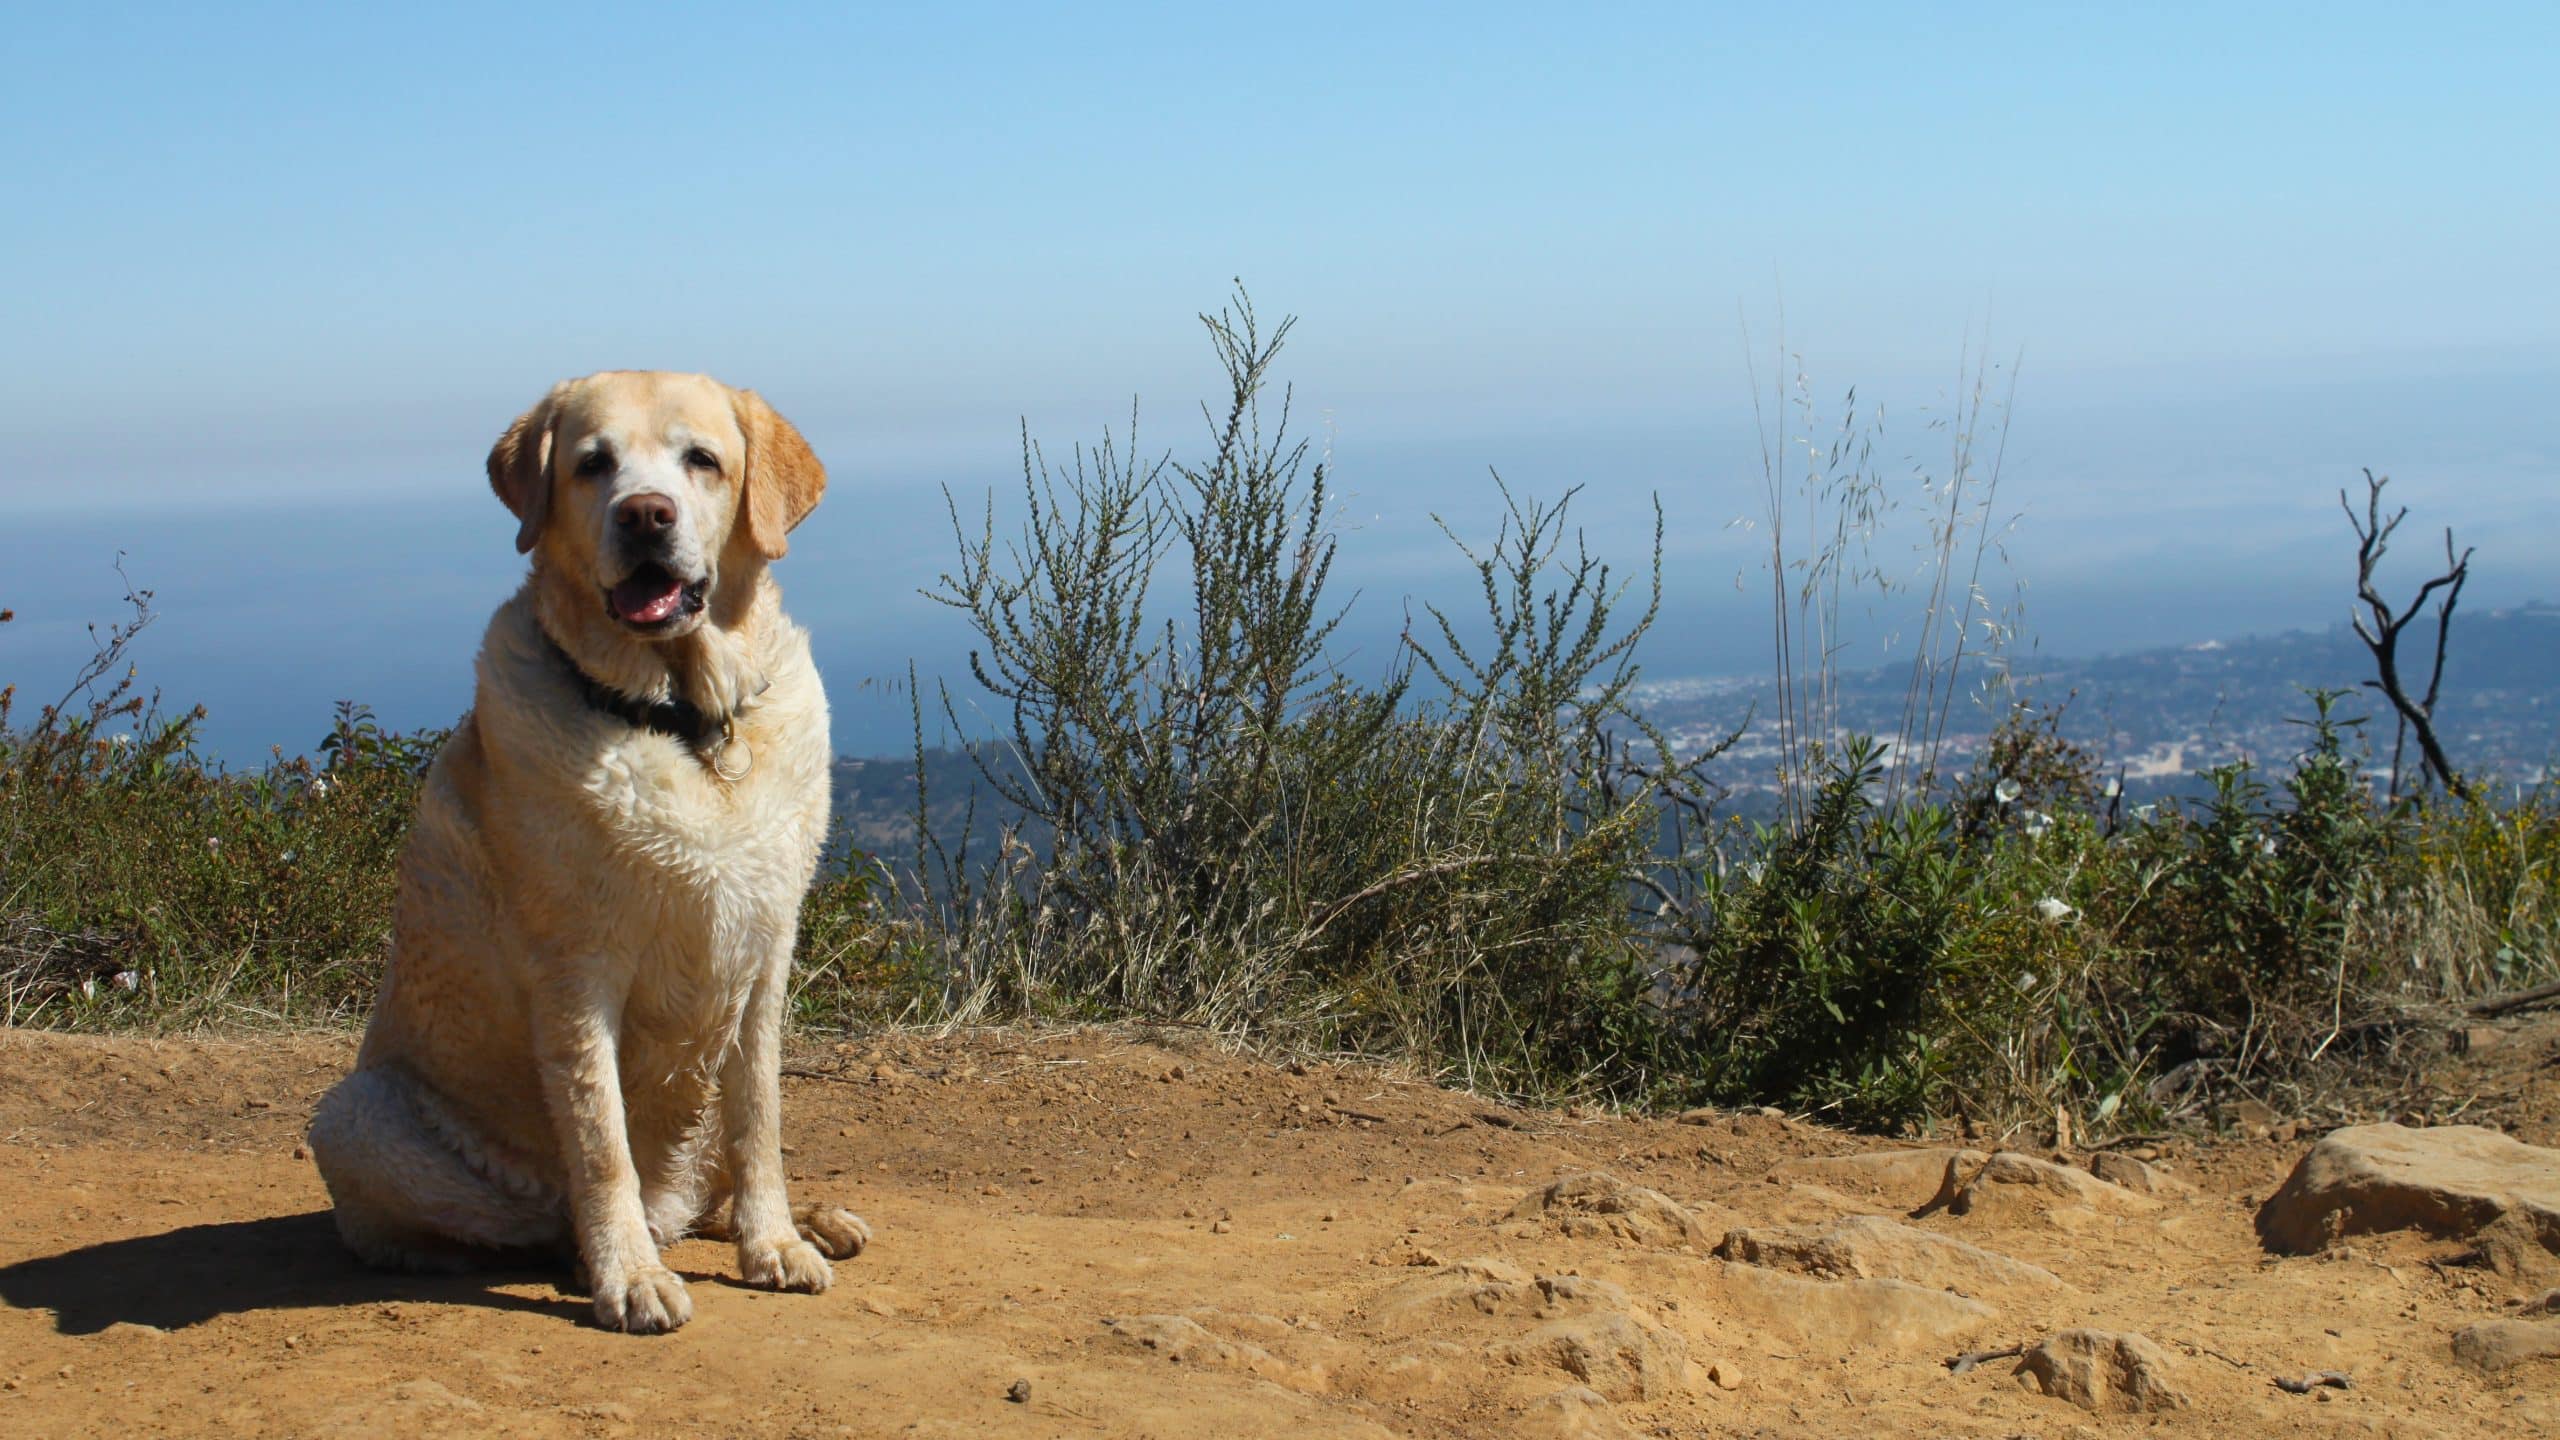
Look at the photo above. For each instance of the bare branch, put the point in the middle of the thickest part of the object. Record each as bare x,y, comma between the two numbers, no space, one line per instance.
2373,535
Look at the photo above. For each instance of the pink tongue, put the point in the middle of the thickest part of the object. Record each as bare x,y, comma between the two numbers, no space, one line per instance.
648,601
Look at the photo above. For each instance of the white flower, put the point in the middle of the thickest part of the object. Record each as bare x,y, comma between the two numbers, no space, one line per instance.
89,988
2145,812
1752,872
319,784
2038,823
213,842
128,979
2113,788
2027,979
2266,844
120,739
2006,792
2053,911
289,856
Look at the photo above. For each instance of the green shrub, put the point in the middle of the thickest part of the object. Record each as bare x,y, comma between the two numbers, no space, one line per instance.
1234,832
138,881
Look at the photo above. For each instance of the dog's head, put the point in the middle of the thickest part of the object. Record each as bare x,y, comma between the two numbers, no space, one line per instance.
646,485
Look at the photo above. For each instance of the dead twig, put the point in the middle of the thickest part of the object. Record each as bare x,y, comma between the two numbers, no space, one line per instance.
1959,1364
2521,1000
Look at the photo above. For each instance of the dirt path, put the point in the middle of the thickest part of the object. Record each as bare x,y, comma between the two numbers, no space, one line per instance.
1169,1243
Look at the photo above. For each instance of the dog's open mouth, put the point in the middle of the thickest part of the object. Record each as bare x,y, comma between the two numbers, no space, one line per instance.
652,597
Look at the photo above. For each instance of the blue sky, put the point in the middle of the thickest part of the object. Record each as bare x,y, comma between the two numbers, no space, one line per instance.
283,274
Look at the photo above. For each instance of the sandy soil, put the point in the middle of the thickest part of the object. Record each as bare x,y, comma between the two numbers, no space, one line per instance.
1168,1241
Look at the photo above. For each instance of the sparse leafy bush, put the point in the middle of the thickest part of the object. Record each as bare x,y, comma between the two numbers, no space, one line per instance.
1233,832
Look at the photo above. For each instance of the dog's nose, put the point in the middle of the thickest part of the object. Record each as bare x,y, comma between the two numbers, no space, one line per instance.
644,516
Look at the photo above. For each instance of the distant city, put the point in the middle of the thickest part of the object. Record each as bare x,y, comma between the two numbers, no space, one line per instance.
2157,719
2160,718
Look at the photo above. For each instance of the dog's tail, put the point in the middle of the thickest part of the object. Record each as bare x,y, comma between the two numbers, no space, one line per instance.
414,1189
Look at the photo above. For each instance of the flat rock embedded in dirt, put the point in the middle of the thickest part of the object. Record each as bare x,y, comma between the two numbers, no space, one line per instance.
2453,1181
1905,1179
1577,1412
1602,1206
2495,1345
2009,1182
1185,1341
1870,1247
1494,1288
2128,1173
1833,1316
1615,1353
2103,1371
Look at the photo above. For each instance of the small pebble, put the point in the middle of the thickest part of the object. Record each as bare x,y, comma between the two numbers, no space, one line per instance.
1019,1392
1222,1227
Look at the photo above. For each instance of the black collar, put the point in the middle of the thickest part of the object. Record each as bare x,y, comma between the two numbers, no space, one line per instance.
679,720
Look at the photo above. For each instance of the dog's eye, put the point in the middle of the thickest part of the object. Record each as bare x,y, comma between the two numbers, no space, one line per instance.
701,459
596,462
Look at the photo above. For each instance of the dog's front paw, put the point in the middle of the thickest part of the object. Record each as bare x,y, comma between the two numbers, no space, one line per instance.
649,1301
839,1234
790,1264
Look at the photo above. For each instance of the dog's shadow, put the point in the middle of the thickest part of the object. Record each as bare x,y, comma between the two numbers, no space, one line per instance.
287,1262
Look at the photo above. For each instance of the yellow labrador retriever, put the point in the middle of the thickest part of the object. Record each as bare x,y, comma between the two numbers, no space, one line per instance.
578,1034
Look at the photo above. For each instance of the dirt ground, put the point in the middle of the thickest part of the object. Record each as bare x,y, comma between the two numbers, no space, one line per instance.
1141,1237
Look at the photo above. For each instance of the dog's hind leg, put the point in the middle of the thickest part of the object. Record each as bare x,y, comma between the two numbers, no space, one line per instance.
413,1190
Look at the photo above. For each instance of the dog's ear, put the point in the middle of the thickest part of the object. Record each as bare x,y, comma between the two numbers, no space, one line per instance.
782,480
520,467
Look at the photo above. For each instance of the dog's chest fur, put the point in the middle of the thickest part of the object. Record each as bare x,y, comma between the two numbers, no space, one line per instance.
687,882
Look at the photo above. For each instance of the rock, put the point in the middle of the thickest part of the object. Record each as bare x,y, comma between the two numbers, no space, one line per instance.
1576,1412
2546,1303
1704,1115
2451,1181
1724,1376
1833,1316
2477,1039
1869,1247
1406,1377
1184,1341
1493,1288
2254,1119
1905,1178
2127,1173
2514,1246
1404,1252
1600,1205
2010,1182
1019,1392
1616,1354
2103,1371
2495,1345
